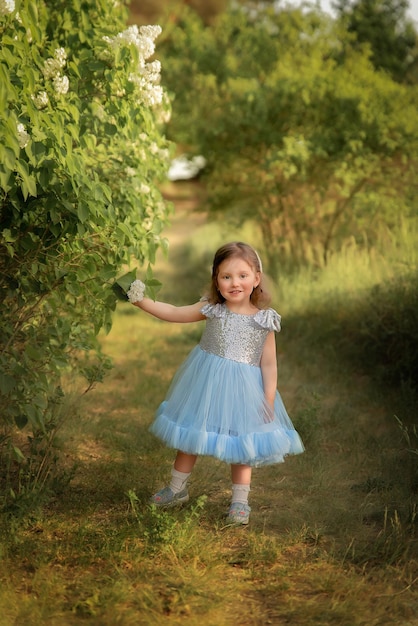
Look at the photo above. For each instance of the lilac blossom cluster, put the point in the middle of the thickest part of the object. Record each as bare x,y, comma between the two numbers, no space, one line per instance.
52,70
146,76
7,7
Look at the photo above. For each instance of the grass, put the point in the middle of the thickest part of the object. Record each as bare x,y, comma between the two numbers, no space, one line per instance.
332,532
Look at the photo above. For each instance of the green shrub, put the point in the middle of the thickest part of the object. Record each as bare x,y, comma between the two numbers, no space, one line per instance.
81,156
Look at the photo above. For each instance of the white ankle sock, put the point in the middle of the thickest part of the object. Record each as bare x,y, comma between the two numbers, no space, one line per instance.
240,493
178,480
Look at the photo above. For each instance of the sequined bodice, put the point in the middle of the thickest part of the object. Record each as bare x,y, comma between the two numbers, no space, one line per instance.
237,337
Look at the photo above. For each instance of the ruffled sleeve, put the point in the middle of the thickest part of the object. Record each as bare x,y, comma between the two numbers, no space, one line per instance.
213,310
268,318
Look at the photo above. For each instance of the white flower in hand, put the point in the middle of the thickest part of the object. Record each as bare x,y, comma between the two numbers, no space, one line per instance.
136,291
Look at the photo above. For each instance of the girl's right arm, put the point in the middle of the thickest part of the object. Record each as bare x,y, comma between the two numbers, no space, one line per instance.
171,313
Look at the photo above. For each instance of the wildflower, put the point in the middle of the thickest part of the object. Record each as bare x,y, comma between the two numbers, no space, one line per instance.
6,7
144,188
130,171
22,136
41,99
61,84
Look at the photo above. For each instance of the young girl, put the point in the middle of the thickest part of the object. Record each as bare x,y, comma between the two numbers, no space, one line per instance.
223,400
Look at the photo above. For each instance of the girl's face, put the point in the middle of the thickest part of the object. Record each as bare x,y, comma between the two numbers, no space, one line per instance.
236,280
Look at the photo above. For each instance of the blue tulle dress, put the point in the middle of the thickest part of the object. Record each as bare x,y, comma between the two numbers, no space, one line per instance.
216,406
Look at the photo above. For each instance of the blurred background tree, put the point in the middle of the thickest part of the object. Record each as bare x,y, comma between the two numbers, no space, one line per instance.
314,146
383,25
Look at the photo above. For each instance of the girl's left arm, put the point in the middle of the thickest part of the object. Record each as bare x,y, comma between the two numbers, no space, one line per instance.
269,369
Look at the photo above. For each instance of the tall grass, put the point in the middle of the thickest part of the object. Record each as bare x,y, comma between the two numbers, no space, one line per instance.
364,305
352,272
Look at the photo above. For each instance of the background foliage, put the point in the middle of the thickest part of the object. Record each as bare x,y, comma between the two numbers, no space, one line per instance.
301,133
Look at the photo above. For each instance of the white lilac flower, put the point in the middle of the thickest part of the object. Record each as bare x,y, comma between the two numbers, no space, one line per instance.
142,38
61,84
136,291
6,7
146,75
152,32
130,171
152,71
153,95
41,99
61,56
144,188
164,154
22,136
164,116
52,68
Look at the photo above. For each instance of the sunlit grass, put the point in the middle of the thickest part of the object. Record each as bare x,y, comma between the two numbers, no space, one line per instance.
352,272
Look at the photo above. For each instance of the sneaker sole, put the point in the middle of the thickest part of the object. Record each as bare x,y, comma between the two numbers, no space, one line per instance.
237,522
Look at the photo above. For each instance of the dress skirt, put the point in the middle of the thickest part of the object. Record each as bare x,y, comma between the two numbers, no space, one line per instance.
216,406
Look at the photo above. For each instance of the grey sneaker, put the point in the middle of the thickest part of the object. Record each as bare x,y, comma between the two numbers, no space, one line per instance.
238,514
167,498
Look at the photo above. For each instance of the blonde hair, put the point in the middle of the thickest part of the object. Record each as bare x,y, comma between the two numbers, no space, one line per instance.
259,297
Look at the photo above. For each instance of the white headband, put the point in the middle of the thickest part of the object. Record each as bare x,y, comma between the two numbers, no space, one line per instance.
259,260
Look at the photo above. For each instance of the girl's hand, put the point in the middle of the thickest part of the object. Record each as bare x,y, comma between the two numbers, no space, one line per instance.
136,291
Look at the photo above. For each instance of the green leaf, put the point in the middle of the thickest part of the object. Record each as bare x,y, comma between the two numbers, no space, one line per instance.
34,353
21,421
9,158
83,212
7,383
124,282
33,12
119,292
18,454
124,229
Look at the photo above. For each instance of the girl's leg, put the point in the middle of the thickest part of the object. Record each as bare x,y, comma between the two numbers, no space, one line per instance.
181,471
184,462
239,512
176,492
241,474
